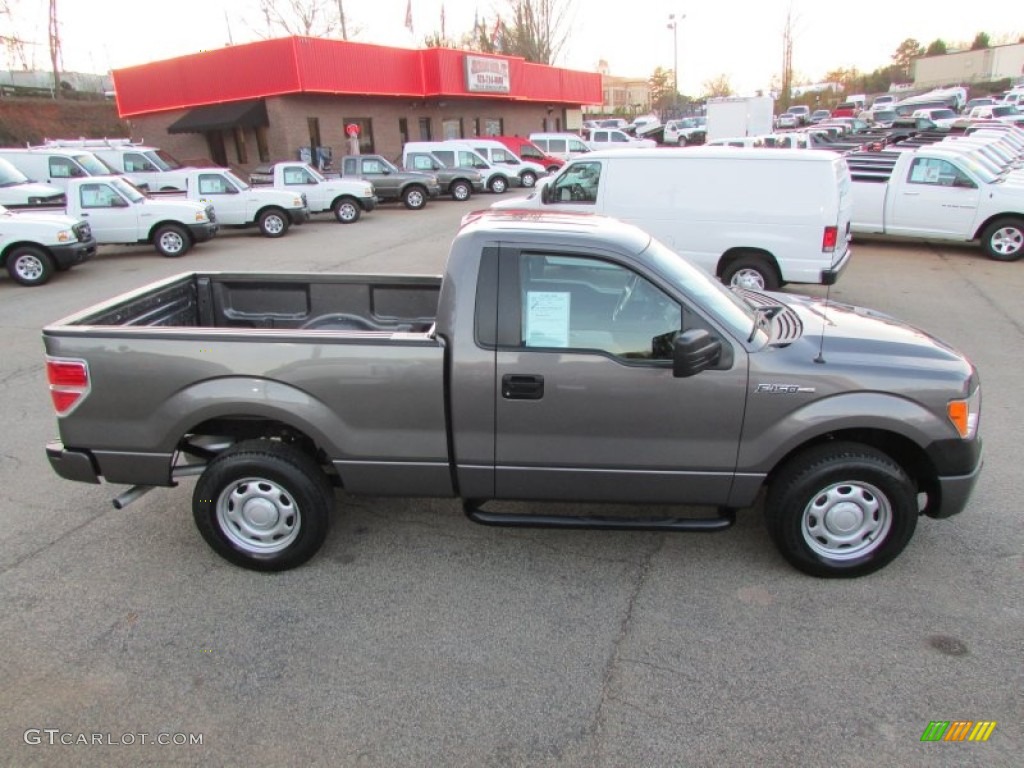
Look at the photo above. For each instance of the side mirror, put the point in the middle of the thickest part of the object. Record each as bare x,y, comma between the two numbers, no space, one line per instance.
545,193
693,352
119,202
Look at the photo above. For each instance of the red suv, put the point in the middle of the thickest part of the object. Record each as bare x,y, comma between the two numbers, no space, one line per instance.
846,109
525,149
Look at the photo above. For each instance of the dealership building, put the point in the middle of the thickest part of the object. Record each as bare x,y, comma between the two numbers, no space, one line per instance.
292,97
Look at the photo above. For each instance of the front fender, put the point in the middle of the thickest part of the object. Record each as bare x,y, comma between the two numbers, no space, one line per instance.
761,451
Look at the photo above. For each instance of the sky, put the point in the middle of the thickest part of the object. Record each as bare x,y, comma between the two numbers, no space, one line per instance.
740,40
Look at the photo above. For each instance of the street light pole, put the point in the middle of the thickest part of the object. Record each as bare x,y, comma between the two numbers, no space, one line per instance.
673,24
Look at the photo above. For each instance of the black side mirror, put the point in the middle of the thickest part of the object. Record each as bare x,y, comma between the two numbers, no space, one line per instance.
693,352
546,193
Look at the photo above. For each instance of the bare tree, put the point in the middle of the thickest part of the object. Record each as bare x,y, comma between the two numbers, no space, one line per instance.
786,89
12,42
717,86
309,18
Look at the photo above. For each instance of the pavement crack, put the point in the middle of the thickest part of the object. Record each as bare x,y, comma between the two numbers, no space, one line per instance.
47,545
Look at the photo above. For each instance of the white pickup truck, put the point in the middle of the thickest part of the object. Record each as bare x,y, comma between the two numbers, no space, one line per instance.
239,205
936,193
35,245
119,214
346,198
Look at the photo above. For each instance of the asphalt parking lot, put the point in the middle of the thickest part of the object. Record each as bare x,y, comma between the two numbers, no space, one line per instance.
416,638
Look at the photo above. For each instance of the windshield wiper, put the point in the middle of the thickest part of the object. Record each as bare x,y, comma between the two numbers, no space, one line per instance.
762,314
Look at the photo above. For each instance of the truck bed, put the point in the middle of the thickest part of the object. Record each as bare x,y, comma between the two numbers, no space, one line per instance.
383,304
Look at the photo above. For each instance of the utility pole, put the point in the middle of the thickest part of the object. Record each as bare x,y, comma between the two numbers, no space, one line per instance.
55,48
341,15
673,24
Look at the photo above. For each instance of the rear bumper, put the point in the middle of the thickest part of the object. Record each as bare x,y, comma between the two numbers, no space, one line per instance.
71,464
831,275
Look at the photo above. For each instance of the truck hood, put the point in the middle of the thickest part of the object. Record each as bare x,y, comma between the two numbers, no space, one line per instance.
58,220
859,337
184,207
15,192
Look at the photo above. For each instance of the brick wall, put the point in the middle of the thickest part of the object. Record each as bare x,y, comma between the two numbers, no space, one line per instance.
289,125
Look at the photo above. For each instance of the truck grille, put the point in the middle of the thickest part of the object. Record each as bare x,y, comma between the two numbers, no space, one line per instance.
83,231
210,214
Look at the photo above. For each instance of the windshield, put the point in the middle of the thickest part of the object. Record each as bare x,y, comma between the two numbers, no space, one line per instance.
315,173
385,163
127,189
163,160
93,165
9,175
235,180
705,290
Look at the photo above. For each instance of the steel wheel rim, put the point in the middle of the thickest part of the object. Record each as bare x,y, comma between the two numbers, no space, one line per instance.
346,212
258,516
274,225
29,267
171,242
748,278
1007,241
846,521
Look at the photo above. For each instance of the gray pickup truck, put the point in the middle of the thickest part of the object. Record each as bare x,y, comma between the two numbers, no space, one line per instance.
562,357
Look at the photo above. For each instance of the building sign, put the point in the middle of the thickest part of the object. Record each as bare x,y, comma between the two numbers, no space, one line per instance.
486,75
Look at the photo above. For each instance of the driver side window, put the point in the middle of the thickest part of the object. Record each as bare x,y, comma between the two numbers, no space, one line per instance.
579,303
578,183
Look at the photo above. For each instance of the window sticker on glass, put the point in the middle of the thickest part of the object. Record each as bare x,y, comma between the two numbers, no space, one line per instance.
547,319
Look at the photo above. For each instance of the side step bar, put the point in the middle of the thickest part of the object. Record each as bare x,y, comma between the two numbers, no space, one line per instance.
725,520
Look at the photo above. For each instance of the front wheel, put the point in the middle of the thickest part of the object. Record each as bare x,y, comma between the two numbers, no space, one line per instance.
461,190
498,185
841,510
751,272
529,179
346,211
274,222
414,198
30,266
172,240
263,505
1003,240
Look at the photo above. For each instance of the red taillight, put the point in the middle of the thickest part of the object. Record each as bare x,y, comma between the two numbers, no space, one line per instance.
69,383
830,239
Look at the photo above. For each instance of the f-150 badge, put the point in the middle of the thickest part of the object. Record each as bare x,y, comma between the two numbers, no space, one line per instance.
782,389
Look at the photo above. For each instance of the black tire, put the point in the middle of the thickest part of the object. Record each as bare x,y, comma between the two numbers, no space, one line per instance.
274,222
1003,239
461,190
263,505
30,265
172,241
529,179
841,510
754,272
346,210
498,185
414,198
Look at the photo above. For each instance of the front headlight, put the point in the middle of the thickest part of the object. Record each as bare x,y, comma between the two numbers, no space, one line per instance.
200,216
64,236
299,202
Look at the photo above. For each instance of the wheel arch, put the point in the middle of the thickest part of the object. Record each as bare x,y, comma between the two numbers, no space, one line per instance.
1011,215
736,253
22,244
168,222
344,197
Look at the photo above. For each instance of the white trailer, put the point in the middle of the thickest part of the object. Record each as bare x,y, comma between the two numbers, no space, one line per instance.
737,116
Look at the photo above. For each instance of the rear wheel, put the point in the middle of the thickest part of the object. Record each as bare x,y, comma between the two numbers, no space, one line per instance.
414,198
172,240
1003,239
753,272
529,178
841,510
30,265
346,211
263,505
274,222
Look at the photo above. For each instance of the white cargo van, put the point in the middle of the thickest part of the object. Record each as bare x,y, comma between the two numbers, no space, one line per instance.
143,165
563,145
459,154
16,191
756,218
55,166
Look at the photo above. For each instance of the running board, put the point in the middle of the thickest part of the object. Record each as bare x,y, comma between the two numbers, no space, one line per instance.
725,520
